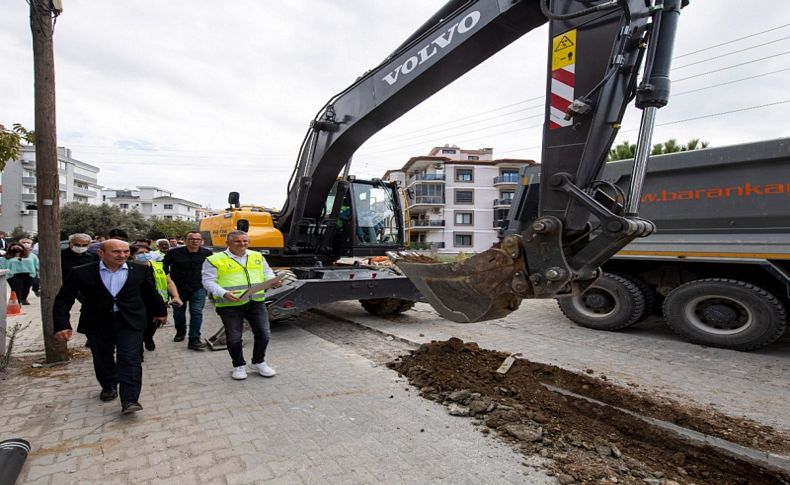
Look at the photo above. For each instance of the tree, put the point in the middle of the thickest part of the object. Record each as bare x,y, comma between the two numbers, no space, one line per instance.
11,142
42,15
161,228
19,233
97,220
625,150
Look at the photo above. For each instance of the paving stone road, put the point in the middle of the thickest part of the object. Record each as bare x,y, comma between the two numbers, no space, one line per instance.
329,416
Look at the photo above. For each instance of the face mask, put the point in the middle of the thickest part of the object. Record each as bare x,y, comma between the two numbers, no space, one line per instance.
143,257
79,250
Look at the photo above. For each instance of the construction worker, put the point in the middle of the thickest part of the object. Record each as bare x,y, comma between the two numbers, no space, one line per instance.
226,276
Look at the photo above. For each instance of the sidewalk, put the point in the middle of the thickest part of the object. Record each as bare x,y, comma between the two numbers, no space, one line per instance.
329,416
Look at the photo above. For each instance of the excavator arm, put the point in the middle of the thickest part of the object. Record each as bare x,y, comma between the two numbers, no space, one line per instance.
555,243
596,49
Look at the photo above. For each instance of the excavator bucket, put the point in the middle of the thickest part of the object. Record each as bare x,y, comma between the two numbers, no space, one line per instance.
486,286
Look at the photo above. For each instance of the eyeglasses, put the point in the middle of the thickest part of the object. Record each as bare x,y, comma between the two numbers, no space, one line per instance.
194,239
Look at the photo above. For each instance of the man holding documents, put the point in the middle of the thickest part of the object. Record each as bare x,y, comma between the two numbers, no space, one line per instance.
228,277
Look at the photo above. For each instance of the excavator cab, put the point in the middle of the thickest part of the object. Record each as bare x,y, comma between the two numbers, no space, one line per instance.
369,218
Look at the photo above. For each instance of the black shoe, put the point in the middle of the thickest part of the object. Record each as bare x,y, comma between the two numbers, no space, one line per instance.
179,336
130,407
37,292
108,394
196,344
150,345
25,302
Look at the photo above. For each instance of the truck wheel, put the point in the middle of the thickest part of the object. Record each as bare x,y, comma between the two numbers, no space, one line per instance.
651,301
725,313
386,306
611,303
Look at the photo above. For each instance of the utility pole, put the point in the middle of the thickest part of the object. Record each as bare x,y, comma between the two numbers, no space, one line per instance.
42,16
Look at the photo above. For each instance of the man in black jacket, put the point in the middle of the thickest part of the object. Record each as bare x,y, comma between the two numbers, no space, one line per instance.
76,254
184,265
117,296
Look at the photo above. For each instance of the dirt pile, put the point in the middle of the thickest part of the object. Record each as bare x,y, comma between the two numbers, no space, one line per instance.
586,442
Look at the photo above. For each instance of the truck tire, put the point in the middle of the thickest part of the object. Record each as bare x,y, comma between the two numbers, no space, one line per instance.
651,300
386,306
725,313
611,303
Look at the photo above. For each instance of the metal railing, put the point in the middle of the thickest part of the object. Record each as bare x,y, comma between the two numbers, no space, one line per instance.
428,199
506,179
426,223
498,202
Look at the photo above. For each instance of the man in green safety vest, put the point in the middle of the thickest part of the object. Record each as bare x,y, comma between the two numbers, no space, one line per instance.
226,276
164,286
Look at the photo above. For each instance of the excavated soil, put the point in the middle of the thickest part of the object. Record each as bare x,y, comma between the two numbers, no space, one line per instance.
586,442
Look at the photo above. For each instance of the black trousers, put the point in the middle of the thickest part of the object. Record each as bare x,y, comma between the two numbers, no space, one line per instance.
20,284
116,358
233,320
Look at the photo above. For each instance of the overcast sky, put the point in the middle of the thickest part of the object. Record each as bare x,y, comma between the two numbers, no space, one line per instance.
203,98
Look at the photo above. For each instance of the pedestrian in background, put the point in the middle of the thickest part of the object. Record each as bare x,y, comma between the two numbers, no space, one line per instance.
35,283
164,286
184,265
22,267
76,254
119,298
173,241
226,275
162,247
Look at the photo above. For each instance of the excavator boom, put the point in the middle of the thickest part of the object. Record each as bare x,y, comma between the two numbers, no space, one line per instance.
555,243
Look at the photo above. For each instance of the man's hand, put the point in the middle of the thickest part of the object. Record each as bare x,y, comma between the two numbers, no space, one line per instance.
230,296
176,302
161,320
64,335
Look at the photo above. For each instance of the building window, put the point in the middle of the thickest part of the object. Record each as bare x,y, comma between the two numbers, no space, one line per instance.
448,151
463,219
464,196
462,240
168,206
507,196
510,176
473,157
123,206
464,175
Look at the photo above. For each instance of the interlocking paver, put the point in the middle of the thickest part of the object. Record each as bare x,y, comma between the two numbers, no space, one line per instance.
327,417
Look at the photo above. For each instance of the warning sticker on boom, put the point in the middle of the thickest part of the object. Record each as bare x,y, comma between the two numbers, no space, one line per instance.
563,50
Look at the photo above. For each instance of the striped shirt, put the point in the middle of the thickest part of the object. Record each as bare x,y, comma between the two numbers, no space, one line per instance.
113,280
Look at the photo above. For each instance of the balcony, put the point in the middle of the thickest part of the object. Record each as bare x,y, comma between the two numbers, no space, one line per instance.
507,179
502,203
427,200
422,224
85,192
84,178
29,181
427,177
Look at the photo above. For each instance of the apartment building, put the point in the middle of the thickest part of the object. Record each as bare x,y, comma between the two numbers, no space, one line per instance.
456,197
78,183
153,202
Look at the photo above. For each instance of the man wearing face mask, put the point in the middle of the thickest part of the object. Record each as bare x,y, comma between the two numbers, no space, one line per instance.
76,254
164,286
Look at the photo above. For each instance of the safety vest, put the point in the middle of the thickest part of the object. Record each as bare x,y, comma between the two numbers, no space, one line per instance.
160,278
236,278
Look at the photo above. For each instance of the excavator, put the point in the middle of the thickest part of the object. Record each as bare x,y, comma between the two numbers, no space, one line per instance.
553,245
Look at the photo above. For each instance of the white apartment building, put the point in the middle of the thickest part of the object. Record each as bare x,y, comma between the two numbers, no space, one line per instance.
456,197
78,183
153,202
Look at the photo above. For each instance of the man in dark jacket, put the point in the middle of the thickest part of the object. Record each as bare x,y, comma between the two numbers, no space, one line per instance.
76,254
184,264
118,297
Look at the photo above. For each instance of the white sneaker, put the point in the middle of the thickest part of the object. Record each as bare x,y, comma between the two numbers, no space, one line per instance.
263,369
239,373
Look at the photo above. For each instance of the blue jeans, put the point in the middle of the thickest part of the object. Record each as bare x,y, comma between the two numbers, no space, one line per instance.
233,320
196,301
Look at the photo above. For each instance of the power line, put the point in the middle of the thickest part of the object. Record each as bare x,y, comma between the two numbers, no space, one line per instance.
732,67
731,41
674,95
729,53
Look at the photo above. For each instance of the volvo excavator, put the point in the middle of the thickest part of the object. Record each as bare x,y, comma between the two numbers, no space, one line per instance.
596,50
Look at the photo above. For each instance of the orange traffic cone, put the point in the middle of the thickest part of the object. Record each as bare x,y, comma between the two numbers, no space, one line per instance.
13,308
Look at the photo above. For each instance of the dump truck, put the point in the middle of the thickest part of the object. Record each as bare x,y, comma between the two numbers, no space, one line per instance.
718,265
